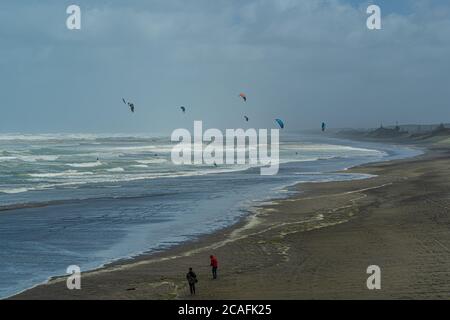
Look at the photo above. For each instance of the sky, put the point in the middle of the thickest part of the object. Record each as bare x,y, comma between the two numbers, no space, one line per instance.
304,61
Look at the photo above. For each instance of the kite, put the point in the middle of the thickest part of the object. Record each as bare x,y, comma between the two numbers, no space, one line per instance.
280,123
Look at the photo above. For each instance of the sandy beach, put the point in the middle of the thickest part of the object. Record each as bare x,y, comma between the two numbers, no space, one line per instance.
315,245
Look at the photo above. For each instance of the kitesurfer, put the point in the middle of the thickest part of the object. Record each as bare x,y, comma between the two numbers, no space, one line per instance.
129,104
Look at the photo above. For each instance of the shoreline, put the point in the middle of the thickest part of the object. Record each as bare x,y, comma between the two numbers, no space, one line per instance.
281,193
169,285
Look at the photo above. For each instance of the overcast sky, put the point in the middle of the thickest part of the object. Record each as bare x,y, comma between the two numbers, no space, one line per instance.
305,61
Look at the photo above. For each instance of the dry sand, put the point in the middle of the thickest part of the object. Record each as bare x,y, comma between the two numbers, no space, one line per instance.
315,245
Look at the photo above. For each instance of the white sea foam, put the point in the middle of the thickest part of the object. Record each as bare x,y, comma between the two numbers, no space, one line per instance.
150,161
8,158
85,164
14,190
30,158
38,158
70,136
158,148
119,169
44,137
67,173
81,155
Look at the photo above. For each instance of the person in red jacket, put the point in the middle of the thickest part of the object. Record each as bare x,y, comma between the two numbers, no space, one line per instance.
214,265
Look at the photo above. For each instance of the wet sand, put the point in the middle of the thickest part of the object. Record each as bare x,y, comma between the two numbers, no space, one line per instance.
315,245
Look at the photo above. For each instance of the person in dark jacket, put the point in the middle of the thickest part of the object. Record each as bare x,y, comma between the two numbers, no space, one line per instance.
192,280
214,265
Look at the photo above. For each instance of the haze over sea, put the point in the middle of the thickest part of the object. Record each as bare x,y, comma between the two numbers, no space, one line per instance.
86,200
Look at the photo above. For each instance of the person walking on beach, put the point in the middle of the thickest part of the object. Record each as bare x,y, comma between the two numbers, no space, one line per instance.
214,265
192,280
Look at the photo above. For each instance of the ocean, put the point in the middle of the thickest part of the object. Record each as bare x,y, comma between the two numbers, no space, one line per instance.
88,200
